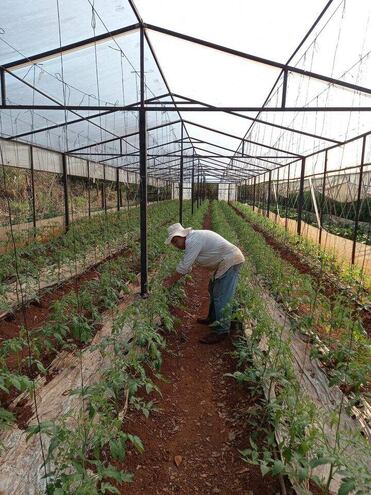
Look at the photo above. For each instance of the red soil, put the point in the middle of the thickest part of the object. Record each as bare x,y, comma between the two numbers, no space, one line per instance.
33,316
192,441
202,417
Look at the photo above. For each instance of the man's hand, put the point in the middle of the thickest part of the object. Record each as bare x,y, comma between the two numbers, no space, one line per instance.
170,281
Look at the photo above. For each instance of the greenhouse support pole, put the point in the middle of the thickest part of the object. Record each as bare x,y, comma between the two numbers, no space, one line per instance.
301,195
143,176
287,197
65,191
181,177
358,204
193,185
269,192
229,193
89,188
33,190
104,190
253,194
322,199
198,185
276,210
118,188
3,88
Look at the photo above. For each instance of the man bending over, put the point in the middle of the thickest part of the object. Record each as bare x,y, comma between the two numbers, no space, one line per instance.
224,259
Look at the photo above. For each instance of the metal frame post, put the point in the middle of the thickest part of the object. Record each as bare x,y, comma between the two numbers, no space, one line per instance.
193,186
198,185
284,88
301,196
118,188
358,205
65,191
276,196
104,190
254,193
3,88
143,176
89,189
33,190
323,199
181,177
269,192
287,197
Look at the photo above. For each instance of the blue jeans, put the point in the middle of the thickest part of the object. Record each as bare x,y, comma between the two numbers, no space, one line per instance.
221,292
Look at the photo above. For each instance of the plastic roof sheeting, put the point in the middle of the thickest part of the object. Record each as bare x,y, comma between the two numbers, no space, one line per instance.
107,73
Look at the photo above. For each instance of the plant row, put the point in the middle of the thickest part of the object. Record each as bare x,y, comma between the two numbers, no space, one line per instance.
86,242
335,320
285,421
87,448
73,319
352,279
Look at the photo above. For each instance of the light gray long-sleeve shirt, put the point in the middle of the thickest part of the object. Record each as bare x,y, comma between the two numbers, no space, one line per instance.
209,249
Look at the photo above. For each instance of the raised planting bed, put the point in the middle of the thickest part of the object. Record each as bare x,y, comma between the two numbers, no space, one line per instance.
319,435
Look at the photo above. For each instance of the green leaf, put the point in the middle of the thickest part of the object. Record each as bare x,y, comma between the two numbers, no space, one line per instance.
320,461
264,469
117,448
137,442
277,468
302,473
346,487
107,487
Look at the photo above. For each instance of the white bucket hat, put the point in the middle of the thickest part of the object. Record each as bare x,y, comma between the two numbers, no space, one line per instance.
177,230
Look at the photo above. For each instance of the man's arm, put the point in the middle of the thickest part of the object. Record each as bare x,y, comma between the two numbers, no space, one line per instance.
193,248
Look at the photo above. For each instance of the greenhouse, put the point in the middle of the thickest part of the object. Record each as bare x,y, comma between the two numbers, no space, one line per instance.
185,247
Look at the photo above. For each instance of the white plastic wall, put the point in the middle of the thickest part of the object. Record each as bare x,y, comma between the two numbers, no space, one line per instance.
227,191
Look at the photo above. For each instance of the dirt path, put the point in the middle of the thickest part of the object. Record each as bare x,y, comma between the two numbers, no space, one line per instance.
202,417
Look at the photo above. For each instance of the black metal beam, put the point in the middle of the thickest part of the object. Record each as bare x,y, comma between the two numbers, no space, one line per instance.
58,105
70,47
124,136
153,157
174,108
237,169
239,154
264,122
233,136
261,60
223,170
158,155
232,157
56,126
